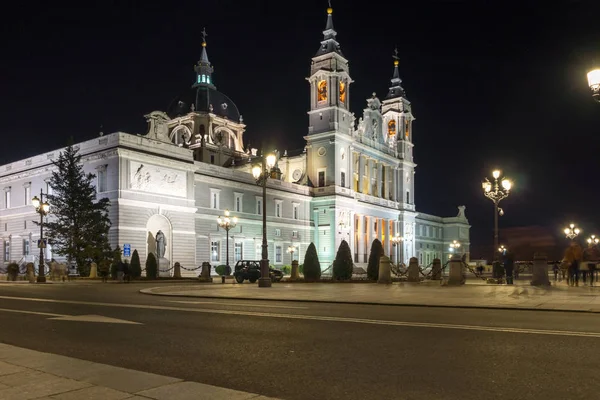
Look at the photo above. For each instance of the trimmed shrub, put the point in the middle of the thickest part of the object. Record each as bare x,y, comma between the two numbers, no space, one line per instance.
151,266
12,271
114,267
301,269
136,267
374,255
342,265
221,270
312,267
286,269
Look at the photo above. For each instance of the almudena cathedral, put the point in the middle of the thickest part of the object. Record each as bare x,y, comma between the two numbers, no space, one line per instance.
353,181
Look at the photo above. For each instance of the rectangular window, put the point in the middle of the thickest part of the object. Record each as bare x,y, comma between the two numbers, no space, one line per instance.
321,178
296,213
6,250
238,202
343,179
215,251
7,199
27,195
101,180
259,205
407,197
212,158
238,252
277,232
215,198
48,188
278,208
25,247
295,234
278,254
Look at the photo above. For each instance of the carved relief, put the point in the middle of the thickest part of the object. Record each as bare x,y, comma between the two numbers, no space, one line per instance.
155,179
157,126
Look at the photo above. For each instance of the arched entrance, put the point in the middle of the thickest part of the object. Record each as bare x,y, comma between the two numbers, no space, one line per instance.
155,224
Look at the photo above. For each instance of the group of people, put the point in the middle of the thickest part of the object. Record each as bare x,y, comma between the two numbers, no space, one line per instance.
578,262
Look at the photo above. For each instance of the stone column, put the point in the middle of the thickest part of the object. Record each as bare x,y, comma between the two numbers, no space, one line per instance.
369,164
456,271
351,234
413,270
539,270
361,238
386,233
338,233
379,179
361,171
316,235
394,183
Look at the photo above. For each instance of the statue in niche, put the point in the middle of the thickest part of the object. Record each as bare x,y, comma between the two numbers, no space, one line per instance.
161,244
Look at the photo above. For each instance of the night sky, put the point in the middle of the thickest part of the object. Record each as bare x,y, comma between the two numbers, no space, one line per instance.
492,84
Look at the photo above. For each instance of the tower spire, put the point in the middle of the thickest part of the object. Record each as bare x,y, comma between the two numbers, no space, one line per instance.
396,90
329,43
204,69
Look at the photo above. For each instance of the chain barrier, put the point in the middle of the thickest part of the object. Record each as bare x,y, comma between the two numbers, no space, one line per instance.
397,269
472,270
190,269
427,275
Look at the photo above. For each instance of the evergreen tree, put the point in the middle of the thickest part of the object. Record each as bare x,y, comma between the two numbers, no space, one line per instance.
136,267
342,265
79,225
151,267
374,255
312,266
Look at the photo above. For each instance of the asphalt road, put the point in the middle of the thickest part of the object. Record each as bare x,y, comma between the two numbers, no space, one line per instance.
300,351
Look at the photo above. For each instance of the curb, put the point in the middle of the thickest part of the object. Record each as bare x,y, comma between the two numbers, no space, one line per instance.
148,291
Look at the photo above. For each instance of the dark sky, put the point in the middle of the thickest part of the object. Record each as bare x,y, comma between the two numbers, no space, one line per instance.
492,83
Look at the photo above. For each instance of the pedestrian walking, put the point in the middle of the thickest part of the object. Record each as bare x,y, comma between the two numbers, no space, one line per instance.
573,256
591,255
555,269
509,266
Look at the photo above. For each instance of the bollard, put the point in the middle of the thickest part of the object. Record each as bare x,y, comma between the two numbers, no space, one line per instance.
457,276
205,274
295,273
385,270
93,270
436,270
31,273
539,270
177,270
413,270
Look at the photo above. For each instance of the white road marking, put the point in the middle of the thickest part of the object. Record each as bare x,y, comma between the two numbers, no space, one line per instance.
80,318
320,318
236,304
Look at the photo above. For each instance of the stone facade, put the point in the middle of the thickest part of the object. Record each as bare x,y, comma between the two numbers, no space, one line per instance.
354,181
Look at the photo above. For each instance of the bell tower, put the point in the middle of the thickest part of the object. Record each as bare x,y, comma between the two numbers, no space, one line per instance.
398,117
330,120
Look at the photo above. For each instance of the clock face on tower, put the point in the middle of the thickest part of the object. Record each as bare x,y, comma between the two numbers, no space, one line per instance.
297,174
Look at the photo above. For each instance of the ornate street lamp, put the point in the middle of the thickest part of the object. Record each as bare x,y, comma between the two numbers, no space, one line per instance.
454,246
261,173
227,223
291,249
594,82
502,249
42,208
496,192
571,232
397,242
593,240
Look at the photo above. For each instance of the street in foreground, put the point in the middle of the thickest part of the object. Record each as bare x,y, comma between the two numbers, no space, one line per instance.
308,350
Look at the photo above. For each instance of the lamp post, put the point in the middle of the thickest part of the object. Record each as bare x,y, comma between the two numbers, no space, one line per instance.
496,192
42,208
594,82
291,249
397,242
227,223
571,232
593,240
454,246
261,173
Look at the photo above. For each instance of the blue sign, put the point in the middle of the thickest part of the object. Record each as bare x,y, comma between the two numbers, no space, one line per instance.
127,250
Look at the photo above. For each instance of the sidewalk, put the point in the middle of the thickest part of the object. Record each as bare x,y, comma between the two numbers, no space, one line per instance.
428,294
26,374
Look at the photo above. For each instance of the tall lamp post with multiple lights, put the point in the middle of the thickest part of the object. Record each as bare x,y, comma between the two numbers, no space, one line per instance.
397,241
261,173
291,249
572,231
227,223
454,246
593,240
496,191
594,82
42,208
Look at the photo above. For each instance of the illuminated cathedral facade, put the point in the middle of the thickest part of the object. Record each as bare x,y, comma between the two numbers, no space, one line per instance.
354,181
